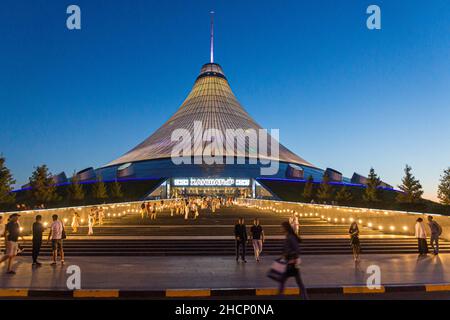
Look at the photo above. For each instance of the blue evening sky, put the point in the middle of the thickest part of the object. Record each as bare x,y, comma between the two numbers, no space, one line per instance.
343,96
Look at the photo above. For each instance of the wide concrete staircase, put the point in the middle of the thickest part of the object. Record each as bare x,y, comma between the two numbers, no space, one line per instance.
212,234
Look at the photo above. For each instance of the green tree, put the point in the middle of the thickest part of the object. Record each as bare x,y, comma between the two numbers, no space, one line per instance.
75,190
99,189
6,184
308,191
325,191
371,193
411,187
444,187
43,190
116,190
344,195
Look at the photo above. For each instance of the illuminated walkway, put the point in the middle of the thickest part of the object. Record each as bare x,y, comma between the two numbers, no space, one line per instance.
212,234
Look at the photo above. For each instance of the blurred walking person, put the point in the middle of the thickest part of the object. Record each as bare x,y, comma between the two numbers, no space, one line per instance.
38,230
240,234
75,222
257,234
354,240
421,235
291,253
101,215
91,221
213,205
436,231
93,214
195,210
149,210
153,211
186,210
143,210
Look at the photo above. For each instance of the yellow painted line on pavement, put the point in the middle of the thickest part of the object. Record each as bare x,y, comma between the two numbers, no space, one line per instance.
96,294
291,291
356,290
188,293
274,291
437,287
13,292
267,292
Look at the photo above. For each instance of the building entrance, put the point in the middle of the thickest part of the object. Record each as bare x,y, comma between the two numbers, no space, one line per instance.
211,186
211,191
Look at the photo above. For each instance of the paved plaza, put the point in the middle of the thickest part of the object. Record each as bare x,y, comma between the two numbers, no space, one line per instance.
218,272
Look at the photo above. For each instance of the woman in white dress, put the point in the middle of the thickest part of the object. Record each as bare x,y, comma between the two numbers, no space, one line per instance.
91,221
186,211
75,222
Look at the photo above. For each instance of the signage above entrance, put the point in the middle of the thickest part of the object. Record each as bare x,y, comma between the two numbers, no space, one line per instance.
211,182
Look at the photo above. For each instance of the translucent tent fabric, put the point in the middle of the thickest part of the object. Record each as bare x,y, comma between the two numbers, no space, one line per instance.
211,102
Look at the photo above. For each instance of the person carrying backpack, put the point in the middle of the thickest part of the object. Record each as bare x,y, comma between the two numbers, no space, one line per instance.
436,231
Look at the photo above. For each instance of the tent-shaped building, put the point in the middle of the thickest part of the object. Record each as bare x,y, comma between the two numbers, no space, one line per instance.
212,107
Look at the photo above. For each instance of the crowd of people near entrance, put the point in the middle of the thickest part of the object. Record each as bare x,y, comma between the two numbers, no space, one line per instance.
188,208
191,208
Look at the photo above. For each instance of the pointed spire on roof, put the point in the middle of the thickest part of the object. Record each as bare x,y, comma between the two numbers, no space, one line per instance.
212,37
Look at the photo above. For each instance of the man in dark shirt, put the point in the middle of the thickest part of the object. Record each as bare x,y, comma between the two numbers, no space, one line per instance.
257,234
38,230
436,231
240,234
12,234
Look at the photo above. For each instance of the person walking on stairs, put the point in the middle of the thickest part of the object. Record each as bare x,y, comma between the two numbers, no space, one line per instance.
291,253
